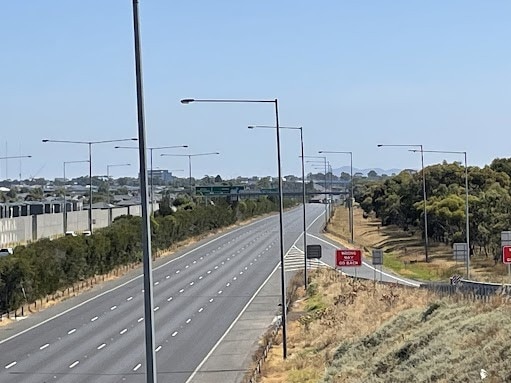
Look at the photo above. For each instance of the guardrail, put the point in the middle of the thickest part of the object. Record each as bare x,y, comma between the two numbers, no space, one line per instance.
262,353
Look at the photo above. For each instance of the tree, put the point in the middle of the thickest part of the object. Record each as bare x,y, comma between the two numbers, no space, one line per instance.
372,174
218,179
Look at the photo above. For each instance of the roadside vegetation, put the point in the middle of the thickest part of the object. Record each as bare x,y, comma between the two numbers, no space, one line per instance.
398,201
347,330
42,268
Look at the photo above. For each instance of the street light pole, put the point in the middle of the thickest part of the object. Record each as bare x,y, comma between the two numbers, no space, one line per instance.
108,177
190,164
467,219
89,143
151,374
151,167
352,195
426,239
65,189
281,205
303,191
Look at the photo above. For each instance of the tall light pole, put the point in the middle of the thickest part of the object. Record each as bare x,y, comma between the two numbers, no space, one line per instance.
352,195
303,192
467,220
89,143
151,166
108,177
190,163
151,374
281,204
65,188
426,239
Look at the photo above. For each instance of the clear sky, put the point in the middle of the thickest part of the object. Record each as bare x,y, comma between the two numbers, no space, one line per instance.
353,73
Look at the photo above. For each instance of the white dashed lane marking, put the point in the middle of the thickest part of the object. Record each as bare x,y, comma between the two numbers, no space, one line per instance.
71,331
10,365
124,331
129,299
137,367
188,320
101,346
113,308
94,319
44,346
140,320
74,364
174,333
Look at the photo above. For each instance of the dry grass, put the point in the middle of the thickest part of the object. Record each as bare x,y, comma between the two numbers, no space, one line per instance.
358,331
404,251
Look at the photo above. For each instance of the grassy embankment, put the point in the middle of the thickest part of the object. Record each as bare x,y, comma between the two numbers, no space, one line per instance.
404,251
357,331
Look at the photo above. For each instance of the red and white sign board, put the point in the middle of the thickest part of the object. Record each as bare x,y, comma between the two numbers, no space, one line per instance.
506,254
348,257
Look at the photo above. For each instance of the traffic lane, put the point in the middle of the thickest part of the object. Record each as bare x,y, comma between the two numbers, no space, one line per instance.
231,296
365,271
76,313
51,333
221,287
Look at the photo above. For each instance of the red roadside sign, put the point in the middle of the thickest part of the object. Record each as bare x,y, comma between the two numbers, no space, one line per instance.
506,254
348,257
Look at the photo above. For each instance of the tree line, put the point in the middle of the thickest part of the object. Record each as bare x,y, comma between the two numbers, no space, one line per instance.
398,200
42,268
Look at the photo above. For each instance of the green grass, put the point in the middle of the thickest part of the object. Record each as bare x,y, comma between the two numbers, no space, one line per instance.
419,271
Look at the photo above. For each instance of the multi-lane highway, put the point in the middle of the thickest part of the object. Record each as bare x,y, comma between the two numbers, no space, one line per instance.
198,294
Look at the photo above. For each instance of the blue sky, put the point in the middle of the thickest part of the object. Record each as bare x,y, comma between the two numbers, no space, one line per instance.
354,74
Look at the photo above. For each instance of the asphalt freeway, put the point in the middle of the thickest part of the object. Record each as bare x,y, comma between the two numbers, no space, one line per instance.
198,295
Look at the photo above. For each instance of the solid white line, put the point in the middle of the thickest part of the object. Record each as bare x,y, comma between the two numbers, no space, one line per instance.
44,346
94,319
137,367
71,331
124,331
157,349
230,327
371,267
174,333
10,365
134,279
101,346
74,364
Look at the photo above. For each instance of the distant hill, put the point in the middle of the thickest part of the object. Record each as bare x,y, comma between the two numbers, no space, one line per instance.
379,171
